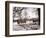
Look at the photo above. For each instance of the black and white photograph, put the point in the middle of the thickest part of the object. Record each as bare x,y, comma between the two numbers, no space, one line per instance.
24,18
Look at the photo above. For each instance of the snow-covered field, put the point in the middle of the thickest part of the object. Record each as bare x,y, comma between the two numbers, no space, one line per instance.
18,27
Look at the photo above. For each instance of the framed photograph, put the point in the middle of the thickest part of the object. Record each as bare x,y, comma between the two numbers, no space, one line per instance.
24,18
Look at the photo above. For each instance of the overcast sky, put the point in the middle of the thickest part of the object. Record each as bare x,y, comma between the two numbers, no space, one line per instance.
31,13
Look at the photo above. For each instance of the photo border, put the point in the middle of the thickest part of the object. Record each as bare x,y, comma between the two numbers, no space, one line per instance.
7,18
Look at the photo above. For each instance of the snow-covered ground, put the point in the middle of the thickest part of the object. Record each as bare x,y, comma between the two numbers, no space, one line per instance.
18,27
